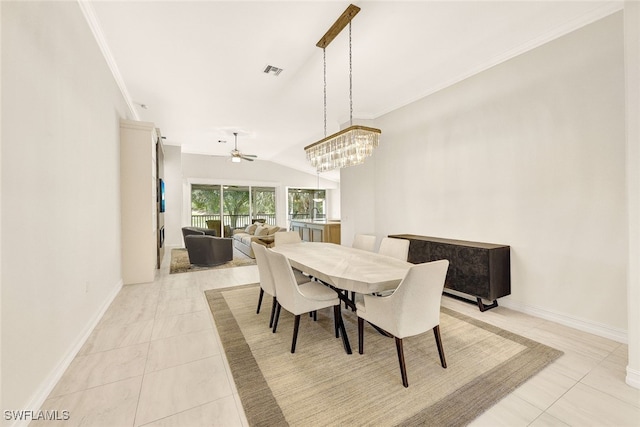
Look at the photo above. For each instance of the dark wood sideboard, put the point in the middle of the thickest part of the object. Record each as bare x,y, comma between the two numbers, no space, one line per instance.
481,270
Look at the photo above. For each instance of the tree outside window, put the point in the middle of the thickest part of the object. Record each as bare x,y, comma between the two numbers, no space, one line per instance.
234,206
264,204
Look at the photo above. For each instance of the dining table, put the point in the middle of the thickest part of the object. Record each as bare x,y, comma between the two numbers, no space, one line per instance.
345,268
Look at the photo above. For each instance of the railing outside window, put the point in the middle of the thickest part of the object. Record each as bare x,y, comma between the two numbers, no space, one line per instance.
234,206
233,221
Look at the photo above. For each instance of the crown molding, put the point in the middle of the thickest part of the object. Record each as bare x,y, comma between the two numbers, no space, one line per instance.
92,21
604,10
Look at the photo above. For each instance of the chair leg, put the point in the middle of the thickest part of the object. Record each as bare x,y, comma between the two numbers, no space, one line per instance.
296,325
436,333
403,367
275,321
260,300
337,314
274,303
315,315
360,335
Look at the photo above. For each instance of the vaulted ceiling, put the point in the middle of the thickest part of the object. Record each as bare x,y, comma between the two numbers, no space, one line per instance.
196,68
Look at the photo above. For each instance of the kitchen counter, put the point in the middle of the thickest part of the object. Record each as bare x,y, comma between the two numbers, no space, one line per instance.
317,230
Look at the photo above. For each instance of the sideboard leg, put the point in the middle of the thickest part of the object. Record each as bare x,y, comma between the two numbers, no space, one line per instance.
484,307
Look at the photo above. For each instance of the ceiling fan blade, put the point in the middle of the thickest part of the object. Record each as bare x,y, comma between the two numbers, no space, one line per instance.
250,155
246,158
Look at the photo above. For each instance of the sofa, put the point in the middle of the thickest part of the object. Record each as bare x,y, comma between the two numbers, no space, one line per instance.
204,248
255,232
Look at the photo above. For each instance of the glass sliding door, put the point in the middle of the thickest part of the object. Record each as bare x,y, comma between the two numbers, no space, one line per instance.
205,205
228,207
263,204
236,206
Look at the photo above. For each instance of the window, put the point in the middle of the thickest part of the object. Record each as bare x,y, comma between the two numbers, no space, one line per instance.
205,204
263,206
306,204
234,206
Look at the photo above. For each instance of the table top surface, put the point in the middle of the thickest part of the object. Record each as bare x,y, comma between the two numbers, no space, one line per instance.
344,267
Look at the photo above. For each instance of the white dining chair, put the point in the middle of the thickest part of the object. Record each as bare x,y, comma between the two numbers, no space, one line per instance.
413,308
285,237
364,242
302,298
266,279
396,248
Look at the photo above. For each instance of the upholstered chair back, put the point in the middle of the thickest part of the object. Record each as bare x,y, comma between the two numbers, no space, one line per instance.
285,237
397,248
364,242
416,301
264,271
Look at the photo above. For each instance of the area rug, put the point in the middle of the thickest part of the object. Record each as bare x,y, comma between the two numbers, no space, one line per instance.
320,385
180,262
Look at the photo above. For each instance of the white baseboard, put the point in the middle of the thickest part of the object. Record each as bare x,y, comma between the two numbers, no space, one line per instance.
599,329
633,378
50,382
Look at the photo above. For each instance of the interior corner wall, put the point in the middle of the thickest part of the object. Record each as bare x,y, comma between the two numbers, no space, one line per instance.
173,197
529,153
60,194
632,86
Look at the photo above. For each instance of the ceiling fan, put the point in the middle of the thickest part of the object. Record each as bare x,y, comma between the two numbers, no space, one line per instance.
237,156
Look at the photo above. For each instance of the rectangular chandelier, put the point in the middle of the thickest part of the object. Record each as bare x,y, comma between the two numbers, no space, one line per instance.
349,147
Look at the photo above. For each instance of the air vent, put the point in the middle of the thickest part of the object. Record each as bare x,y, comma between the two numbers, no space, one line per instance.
270,69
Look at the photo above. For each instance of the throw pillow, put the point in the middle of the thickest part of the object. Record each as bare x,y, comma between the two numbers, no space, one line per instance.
261,231
251,229
271,229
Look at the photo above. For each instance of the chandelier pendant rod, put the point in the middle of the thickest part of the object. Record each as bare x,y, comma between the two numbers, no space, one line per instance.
324,59
350,81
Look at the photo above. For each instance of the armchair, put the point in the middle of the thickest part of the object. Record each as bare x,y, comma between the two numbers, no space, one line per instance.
413,308
208,250
215,224
196,231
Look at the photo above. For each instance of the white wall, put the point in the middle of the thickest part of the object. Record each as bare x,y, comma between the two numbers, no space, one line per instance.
530,153
199,169
173,195
60,193
632,80
358,201
1,401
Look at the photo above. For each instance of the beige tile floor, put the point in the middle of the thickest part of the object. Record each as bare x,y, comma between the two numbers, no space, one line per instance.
155,359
